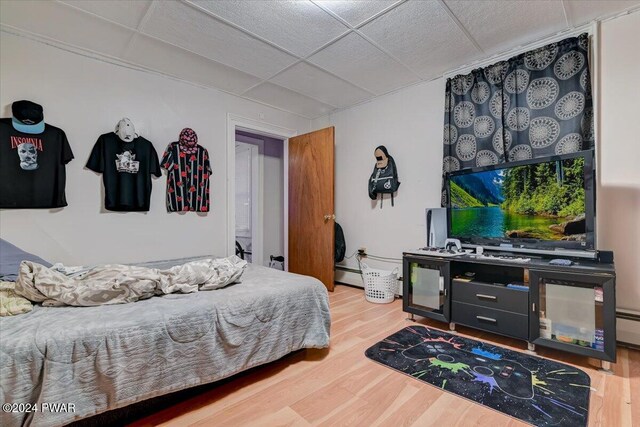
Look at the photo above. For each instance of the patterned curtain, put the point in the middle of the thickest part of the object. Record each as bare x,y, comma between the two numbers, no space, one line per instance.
536,104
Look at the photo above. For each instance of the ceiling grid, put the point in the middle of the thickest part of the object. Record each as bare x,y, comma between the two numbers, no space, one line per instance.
566,15
139,27
460,26
309,57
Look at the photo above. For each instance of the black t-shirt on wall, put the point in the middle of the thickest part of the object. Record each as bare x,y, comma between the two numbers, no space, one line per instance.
32,167
126,169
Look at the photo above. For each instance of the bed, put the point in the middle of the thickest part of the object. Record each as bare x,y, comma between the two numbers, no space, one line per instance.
107,357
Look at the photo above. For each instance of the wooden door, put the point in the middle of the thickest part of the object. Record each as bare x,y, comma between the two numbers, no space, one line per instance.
311,208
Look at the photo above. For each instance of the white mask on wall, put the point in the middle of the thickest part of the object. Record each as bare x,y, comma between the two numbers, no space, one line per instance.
125,130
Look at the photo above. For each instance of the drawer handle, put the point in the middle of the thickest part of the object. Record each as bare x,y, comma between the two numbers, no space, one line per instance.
491,297
486,319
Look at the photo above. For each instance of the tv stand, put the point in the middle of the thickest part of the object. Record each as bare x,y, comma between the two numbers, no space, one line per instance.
569,308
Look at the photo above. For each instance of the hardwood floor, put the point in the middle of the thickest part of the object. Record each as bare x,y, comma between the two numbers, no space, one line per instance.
340,386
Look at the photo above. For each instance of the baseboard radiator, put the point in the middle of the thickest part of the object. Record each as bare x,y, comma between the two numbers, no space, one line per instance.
628,321
628,327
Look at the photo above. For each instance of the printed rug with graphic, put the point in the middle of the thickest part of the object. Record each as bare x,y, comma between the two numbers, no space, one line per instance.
538,391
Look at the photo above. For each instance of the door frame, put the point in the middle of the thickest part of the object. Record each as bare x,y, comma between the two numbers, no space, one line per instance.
235,122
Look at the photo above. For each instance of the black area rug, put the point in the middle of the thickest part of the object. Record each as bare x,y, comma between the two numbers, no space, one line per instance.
535,390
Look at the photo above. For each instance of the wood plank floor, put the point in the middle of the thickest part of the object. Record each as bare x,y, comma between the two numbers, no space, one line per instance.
339,386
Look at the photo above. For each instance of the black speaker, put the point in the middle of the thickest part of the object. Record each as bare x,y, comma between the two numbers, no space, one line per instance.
605,257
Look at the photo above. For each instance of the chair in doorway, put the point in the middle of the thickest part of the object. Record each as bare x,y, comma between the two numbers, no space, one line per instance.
239,250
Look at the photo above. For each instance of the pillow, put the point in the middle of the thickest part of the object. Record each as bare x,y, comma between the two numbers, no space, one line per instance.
11,257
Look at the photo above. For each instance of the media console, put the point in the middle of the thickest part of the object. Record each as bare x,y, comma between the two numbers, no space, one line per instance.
566,307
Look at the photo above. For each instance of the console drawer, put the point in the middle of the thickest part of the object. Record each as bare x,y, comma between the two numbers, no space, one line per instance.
485,295
501,322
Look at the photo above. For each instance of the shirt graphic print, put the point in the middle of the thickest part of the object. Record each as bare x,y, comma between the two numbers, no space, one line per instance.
126,162
28,148
188,172
33,167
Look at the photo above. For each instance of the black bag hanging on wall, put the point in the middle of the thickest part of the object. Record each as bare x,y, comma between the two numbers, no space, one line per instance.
340,245
384,178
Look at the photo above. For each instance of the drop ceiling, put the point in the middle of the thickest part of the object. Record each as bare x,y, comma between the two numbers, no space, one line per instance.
306,57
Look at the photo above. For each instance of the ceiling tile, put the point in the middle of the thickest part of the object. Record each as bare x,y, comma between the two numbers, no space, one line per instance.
65,24
128,13
356,60
580,12
289,100
160,56
182,25
356,12
422,36
313,82
298,26
499,25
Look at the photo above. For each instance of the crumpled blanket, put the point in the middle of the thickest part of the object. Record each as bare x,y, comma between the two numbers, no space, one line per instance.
120,284
72,270
11,303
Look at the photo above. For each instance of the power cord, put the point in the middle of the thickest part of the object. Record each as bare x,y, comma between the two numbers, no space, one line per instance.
351,256
359,257
382,258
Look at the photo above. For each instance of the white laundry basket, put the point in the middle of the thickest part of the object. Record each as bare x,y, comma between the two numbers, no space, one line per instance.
380,286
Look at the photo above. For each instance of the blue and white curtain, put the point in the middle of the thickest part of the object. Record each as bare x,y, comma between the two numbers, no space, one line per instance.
536,104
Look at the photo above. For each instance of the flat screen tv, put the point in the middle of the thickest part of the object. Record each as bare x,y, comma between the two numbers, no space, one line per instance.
540,203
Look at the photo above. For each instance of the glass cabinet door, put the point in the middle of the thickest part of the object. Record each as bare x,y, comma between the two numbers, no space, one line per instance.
426,287
573,312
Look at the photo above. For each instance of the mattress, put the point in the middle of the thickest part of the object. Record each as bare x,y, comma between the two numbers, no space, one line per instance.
10,258
94,359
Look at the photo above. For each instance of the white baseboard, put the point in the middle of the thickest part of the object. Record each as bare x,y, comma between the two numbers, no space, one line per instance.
348,277
628,326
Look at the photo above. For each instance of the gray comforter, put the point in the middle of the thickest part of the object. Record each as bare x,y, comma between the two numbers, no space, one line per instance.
106,357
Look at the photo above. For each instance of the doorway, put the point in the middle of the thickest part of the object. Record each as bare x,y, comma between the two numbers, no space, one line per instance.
257,208
259,129
259,197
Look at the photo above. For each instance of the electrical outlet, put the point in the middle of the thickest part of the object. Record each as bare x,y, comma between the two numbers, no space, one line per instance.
362,250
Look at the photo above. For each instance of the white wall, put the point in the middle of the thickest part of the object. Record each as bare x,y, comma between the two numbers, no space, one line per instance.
409,123
86,97
618,208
